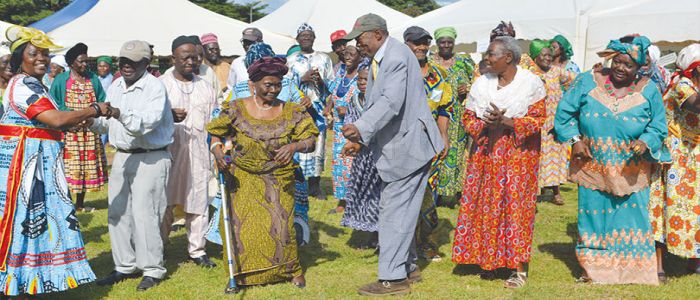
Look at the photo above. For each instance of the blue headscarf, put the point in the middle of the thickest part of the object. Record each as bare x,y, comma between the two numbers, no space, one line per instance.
257,51
637,49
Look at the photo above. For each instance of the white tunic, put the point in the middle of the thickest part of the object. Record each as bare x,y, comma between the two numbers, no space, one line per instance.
192,163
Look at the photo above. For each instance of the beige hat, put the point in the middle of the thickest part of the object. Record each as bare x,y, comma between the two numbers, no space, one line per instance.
135,50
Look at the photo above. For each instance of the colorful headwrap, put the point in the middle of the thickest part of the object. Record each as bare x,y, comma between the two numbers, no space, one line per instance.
257,51
688,59
18,35
267,66
565,45
442,32
503,29
209,38
304,27
293,49
107,59
536,47
637,50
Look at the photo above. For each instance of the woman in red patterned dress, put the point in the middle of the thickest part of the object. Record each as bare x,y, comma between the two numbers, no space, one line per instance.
505,111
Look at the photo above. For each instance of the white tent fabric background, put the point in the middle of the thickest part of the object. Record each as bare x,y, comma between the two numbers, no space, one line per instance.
4,49
659,20
325,16
588,24
109,24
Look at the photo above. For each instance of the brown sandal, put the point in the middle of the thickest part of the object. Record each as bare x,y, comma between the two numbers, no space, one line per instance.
558,200
299,281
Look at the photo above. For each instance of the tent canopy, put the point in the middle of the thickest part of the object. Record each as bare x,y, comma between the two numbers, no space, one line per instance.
110,23
588,24
4,49
69,13
659,20
317,13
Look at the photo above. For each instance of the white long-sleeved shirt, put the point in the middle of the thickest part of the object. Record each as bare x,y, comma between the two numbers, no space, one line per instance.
146,120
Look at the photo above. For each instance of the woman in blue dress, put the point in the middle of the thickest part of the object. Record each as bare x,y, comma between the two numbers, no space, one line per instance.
615,122
41,249
344,89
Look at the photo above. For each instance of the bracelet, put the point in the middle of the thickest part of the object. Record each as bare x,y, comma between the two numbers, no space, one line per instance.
211,148
98,112
574,140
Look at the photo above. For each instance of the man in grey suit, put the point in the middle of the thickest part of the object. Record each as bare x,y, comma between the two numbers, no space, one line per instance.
398,126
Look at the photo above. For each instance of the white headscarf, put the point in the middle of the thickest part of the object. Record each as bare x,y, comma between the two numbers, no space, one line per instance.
60,60
525,90
688,56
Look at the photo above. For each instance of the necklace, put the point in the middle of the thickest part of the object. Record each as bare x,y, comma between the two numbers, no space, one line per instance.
180,87
255,100
618,99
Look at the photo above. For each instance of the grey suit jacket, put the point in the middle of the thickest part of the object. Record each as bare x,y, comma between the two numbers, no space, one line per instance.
397,124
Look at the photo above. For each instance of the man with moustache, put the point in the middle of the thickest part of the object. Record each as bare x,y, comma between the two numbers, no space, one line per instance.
141,130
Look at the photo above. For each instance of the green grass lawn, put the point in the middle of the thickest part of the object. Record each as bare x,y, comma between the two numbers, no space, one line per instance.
334,270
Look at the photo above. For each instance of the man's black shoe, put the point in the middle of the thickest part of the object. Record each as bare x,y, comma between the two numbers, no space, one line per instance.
203,261
147,282
116,277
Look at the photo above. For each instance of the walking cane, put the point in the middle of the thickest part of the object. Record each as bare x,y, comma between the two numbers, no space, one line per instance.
231,288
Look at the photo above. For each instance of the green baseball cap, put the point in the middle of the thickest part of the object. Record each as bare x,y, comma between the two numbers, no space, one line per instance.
366,23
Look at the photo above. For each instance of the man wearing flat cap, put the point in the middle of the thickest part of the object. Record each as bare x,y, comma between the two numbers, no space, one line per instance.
239,72
399,128
141,130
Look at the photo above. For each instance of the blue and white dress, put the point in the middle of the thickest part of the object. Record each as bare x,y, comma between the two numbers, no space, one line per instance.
41,248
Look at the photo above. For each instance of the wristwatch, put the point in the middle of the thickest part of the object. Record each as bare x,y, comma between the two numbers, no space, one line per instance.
574,140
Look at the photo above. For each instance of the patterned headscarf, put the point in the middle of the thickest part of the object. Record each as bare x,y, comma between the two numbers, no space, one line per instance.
442,32
257,51
18,35
536,47
637,50
688,59
267,66
503,29
565,45
304,27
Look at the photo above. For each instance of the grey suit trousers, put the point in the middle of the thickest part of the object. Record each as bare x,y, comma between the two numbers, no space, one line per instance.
399,207
137,204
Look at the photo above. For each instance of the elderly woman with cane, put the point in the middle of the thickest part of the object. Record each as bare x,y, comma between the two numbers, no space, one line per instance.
266,132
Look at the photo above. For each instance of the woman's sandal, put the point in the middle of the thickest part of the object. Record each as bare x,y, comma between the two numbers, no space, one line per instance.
299,281
516,280
662,278
558,200
584,279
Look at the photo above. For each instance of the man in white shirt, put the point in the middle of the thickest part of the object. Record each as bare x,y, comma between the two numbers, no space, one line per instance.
239,72
141,130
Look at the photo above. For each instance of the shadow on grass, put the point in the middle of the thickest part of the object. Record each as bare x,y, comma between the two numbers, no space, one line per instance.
316,253
566,252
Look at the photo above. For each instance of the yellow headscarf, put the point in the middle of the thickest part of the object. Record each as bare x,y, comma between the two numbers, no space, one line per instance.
18,35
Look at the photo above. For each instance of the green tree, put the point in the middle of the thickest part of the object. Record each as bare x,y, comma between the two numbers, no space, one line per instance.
241,12
25,12
412,8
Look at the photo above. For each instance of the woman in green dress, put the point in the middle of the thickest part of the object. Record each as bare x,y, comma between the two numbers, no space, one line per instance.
460,74
266,132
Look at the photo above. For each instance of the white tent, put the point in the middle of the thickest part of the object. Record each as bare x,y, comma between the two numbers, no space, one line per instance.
110,23
659,20
3,48
325,16
474,19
